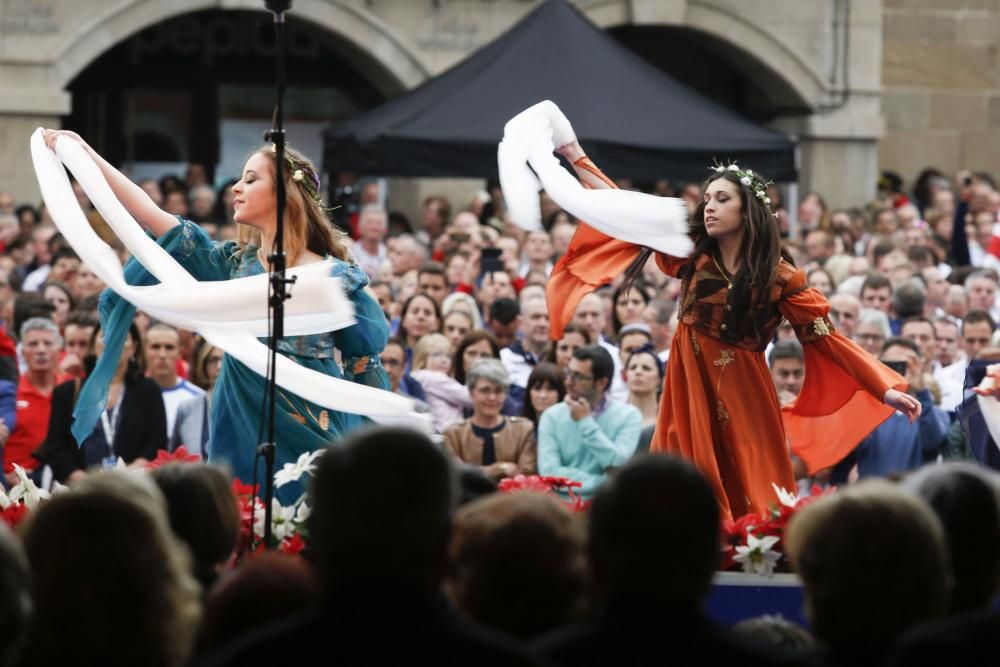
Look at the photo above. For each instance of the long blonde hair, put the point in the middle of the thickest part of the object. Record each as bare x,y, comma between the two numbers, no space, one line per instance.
306,224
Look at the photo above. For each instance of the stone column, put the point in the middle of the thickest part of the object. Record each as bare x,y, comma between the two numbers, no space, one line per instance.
22,109
839,150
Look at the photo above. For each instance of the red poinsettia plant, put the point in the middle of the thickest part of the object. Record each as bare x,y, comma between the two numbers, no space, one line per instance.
546,485
755,542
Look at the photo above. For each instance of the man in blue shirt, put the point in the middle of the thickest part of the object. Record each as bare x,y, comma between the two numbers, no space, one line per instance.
587,435
897,445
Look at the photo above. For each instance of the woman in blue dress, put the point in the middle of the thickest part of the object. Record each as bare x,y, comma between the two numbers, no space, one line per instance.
238,408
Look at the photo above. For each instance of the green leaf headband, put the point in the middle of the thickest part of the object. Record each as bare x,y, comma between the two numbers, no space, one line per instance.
303,174
747,178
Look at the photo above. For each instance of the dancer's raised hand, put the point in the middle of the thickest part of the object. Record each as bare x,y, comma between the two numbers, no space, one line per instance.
903,402
50,137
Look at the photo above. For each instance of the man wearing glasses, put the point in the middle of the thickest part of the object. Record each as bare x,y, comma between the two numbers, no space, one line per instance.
587,435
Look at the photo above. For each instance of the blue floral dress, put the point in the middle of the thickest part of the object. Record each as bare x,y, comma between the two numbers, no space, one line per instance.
238,400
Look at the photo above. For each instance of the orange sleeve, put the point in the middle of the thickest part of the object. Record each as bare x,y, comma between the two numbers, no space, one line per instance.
592,259
841,398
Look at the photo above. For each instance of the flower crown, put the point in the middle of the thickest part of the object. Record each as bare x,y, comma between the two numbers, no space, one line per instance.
749,179
304,175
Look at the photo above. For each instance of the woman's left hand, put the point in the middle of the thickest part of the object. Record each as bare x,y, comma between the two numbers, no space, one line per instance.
905,403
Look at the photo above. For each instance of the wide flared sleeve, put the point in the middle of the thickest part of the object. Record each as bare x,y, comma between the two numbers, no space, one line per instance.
362,343
591,260
841,398
201,257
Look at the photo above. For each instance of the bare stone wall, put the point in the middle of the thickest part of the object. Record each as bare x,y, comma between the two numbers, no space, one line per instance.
941,85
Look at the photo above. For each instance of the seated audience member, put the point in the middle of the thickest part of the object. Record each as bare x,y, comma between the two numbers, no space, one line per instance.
192,425
574,337
420,315
872,331
15,597
587,435
526,539
478,345
777,633
501,446
128,575
163,348
446,397
898,445
266,588
394,359
456,325
845,309
76,339
465,303
546,387
132,427
660,316
631,337
648,594
949,363
966,499
858,606
503,318
524,353
202,511
432,281
40,342
644,377
380,526
370,250
788,370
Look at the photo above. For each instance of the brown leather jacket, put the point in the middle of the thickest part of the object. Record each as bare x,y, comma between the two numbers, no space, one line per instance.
514,443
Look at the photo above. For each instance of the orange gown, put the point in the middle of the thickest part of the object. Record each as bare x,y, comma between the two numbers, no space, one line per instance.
719,408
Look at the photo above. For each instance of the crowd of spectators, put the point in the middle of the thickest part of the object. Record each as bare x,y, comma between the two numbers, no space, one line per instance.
911,277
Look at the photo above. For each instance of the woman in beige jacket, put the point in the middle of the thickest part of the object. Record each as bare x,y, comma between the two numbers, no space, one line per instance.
500,446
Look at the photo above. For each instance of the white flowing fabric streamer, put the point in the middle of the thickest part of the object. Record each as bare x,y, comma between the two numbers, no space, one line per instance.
231,336
317,303
989,406
660,223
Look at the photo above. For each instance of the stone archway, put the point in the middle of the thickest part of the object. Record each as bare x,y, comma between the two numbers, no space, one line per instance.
376,47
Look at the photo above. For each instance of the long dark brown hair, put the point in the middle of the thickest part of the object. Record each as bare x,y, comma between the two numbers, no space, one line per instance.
760,253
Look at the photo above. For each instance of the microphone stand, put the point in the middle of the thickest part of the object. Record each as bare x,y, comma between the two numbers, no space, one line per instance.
278,282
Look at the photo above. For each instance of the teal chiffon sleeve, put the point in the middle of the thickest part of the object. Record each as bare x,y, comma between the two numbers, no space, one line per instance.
203,258
361,345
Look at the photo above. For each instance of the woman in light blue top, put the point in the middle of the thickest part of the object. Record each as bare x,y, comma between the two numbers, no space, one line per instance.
238,406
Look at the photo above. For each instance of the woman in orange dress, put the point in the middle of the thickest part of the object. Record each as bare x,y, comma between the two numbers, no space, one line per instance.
719,408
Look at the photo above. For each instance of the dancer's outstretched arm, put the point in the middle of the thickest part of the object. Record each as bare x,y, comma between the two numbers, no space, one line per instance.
573,152
133,198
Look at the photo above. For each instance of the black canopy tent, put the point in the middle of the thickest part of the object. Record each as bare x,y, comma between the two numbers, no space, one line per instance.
635,121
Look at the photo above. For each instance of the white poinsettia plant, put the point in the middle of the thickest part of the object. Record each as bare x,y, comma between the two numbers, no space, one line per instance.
288,522
755,542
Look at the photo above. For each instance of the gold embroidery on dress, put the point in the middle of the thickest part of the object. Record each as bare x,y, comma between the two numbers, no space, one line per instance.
820,327
722,413
725,359
694,343
297,417
324,420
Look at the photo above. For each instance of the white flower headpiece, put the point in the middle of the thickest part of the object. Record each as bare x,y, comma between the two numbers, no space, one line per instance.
747,178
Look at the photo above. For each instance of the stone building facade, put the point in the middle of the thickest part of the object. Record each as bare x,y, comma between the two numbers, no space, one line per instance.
825,70
941,85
